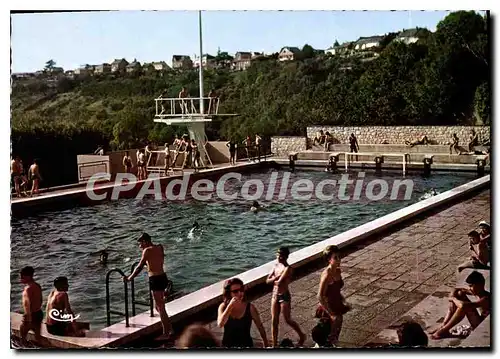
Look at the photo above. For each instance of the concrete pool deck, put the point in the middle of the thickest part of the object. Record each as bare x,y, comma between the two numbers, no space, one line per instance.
408,261
387,278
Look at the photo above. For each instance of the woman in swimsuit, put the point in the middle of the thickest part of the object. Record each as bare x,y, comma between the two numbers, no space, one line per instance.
235,315
332,306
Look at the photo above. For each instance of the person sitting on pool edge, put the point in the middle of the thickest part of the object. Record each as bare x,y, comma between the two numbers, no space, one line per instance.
281,299
479,253
461,307
57,308
485,233
153,255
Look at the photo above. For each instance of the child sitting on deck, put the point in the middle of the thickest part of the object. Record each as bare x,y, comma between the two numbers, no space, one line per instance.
479,253
461,307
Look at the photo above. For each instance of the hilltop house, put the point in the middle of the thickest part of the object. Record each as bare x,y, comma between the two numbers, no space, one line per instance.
364,43
242,60
288,53
85,70
160,66
181,62
119,65
70,74
208,61
134,67
56,70
23,75
102,69
409,36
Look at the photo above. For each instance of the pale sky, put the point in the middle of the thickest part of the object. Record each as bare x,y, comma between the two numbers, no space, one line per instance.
74,39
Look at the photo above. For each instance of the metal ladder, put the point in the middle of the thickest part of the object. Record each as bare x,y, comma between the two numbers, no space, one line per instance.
125,314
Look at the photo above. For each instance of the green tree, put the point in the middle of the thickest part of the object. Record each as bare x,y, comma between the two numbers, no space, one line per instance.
482,104
307,52
49,65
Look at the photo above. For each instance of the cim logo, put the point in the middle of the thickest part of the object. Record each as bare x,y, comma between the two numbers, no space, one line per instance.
56,315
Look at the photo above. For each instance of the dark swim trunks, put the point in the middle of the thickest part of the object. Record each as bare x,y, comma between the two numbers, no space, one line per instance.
36,318
285,297
58,328
158,282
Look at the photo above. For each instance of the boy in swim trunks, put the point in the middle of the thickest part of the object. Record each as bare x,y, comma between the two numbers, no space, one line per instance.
60,317
153,255
460,306
32,304
281,276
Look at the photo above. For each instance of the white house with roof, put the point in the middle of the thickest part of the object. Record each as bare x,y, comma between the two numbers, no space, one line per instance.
289,53
181,62
242,60
342,49
364,43
160,66
208,61
409,36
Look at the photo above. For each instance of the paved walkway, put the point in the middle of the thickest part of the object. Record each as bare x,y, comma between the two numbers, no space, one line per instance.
387,278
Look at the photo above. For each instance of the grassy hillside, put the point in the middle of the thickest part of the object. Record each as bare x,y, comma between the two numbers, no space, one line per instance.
444,78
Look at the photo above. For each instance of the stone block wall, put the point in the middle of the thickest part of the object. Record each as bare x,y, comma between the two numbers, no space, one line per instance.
281,146
438,135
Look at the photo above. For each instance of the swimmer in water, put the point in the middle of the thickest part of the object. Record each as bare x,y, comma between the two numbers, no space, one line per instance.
255,207
103,257
195,230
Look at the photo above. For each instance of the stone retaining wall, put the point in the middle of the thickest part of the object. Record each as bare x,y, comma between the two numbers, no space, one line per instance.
282,146
438,135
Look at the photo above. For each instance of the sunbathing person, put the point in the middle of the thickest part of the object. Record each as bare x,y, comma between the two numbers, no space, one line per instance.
479,253
328,140
320,138
454,143
473,140
422,141
461,307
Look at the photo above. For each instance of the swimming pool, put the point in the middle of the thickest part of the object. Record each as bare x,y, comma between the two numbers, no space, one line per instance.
232,238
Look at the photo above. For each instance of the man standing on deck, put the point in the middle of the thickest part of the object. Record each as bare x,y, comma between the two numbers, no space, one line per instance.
258,143
32,304
153,255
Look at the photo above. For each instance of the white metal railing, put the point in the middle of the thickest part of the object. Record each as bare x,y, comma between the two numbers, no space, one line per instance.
349,154
189,106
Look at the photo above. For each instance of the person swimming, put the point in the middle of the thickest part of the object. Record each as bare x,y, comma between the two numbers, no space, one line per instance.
195,231
255,207
432,192
103,257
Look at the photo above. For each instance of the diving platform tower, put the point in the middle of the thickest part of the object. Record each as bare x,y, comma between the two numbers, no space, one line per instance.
191,111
